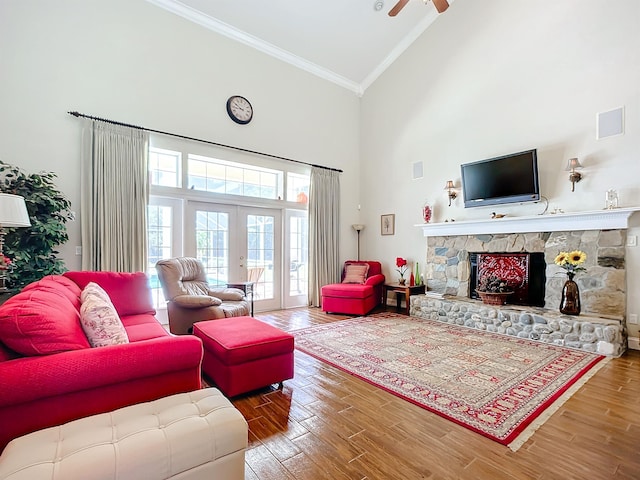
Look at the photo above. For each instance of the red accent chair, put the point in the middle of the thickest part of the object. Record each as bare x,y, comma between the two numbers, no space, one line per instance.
354,298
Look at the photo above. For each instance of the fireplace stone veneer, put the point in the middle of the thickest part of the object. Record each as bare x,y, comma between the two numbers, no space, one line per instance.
602,285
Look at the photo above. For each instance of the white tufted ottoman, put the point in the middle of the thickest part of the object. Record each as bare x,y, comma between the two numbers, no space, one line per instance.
184,436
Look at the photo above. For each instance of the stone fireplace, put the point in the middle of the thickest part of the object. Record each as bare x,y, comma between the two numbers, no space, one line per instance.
602,286
451,274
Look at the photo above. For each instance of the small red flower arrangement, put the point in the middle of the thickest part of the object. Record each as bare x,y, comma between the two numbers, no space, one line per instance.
401,263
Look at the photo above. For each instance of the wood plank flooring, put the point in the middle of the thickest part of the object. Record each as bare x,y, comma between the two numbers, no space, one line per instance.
327,424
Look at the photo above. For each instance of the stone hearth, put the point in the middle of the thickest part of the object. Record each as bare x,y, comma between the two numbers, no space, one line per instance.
595,334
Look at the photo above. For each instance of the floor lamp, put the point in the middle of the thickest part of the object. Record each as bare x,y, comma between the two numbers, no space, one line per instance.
13,213
358,227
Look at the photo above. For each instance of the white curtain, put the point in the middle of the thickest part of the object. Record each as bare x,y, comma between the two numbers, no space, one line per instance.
324,226
114,197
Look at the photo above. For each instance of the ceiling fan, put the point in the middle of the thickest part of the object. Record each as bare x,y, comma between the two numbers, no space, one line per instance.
441,6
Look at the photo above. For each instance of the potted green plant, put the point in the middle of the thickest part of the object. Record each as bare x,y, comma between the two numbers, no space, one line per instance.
32,250
494,290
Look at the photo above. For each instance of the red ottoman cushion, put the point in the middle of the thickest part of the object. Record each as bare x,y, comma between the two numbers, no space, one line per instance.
243,354
347,290
237,340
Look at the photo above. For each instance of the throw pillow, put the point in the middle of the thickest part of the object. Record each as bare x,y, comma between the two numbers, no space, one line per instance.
99,319
355,272
40,322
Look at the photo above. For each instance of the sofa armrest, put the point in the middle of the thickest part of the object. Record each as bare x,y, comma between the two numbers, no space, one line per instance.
196,301
30,378
375,279
229,294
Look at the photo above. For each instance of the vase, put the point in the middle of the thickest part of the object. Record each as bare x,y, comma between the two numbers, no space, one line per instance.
427,213
570,301
401,281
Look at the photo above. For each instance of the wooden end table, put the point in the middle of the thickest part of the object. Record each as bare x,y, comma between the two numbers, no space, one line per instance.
247,288
406,290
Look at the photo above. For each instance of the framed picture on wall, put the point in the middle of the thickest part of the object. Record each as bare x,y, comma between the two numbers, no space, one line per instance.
387,224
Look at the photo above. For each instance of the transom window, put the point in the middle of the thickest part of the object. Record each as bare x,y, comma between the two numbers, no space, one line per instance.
164,167
297,187
219,176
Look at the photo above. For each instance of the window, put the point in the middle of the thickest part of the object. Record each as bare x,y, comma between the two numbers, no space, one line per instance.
219,176
298,254
163,230
164,167
297,187
192,183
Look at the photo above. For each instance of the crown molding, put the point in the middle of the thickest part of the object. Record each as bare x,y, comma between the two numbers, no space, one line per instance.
228,31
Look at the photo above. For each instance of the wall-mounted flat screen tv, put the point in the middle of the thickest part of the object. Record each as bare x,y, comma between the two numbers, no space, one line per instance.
508,179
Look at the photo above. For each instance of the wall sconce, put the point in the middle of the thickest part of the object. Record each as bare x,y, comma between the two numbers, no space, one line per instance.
358,227
574,177
451,192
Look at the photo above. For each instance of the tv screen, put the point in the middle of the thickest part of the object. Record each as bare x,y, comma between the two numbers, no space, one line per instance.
508,179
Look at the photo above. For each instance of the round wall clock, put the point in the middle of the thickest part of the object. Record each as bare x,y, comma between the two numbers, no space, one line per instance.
239,109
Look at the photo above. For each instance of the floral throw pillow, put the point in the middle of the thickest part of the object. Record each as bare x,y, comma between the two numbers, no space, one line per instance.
355,272
99,319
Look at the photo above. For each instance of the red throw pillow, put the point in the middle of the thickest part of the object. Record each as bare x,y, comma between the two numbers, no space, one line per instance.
129,292
355,272
41,322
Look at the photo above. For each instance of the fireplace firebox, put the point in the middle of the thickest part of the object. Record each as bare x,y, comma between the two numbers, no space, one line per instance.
523,272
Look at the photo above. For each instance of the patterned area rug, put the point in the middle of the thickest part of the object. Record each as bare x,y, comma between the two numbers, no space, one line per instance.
499,386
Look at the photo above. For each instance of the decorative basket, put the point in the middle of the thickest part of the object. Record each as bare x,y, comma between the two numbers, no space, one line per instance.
491,298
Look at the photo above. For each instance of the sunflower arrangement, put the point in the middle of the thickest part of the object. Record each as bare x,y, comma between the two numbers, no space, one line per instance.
571,262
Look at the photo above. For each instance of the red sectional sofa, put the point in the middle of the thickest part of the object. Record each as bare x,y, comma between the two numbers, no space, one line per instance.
49,373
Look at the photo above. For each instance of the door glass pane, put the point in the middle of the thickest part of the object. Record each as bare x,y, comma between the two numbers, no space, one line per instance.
298,253
260,253
212,245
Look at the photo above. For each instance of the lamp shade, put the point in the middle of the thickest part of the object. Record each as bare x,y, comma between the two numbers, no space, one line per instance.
449,185
13,211
572,164
358,227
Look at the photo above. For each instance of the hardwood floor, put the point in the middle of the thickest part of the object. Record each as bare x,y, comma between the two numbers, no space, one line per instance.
327,424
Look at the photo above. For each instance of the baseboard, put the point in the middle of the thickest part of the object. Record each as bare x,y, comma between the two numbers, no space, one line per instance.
634,343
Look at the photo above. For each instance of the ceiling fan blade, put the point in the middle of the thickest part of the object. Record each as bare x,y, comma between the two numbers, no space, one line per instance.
441,5
397,7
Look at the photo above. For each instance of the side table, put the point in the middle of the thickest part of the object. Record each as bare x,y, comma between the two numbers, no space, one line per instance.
246,287
406,290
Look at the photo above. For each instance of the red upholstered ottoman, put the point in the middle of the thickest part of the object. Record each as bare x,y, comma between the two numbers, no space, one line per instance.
243,354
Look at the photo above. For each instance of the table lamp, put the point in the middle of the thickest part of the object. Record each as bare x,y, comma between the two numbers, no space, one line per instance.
13,213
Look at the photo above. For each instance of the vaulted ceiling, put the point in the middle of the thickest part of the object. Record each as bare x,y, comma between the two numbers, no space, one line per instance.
348,42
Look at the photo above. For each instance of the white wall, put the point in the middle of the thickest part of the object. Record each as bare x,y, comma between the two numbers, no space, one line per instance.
487,78
496,77
131,61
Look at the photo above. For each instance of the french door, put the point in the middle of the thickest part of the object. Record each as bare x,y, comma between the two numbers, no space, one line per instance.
237,243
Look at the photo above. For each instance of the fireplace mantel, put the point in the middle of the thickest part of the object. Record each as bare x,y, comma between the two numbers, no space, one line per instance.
594,220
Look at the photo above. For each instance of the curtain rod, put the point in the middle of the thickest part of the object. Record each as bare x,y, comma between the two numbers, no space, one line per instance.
113,122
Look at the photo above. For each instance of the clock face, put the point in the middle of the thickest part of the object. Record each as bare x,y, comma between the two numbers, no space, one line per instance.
239,109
